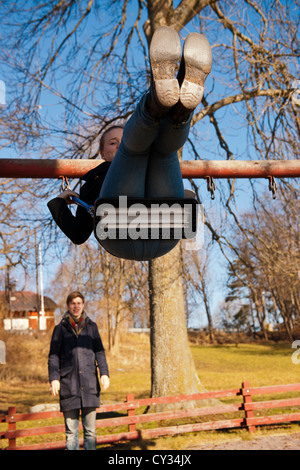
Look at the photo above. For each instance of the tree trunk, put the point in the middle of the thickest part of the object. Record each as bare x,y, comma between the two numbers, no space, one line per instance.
172,367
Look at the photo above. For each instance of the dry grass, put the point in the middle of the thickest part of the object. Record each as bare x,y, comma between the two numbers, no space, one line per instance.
24,378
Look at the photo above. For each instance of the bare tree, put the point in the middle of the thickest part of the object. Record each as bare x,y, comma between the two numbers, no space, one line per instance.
266,272
81,55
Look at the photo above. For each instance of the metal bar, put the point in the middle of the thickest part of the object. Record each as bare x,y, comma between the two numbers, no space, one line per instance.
273,419
35,168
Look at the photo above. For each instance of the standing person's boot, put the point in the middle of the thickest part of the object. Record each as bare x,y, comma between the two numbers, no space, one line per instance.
194,68
165,53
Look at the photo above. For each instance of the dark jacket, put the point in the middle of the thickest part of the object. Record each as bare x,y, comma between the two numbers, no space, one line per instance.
73,360
78,228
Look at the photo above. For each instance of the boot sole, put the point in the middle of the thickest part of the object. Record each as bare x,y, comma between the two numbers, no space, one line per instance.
165,53
197,58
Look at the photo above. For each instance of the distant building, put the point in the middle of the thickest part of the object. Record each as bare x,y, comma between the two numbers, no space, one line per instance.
22,312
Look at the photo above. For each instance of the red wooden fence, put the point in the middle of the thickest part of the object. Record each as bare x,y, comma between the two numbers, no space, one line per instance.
246,409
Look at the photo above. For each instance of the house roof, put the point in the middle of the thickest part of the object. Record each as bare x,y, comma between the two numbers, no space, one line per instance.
27,301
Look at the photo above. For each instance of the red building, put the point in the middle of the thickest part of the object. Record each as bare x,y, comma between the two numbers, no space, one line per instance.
21,312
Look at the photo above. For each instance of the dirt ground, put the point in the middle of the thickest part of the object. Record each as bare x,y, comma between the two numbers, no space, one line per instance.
278,442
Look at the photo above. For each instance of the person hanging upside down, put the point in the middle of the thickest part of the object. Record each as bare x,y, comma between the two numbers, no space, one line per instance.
141,160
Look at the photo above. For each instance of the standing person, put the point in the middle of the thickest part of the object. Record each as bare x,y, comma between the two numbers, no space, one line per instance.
76,350
142,160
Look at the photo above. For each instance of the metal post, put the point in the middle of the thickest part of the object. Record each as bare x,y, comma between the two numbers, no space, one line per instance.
247,400
11,427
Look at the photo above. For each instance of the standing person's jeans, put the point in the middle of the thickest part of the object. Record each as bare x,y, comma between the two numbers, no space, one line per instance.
88,417
146,165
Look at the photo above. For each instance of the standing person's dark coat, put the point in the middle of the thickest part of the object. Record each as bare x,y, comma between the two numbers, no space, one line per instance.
73,360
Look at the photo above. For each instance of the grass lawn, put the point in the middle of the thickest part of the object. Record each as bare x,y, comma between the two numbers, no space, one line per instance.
24,381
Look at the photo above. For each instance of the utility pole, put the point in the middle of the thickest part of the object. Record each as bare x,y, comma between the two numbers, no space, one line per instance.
42,323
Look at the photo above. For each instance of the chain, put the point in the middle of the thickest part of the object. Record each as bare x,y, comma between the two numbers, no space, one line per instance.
65,183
